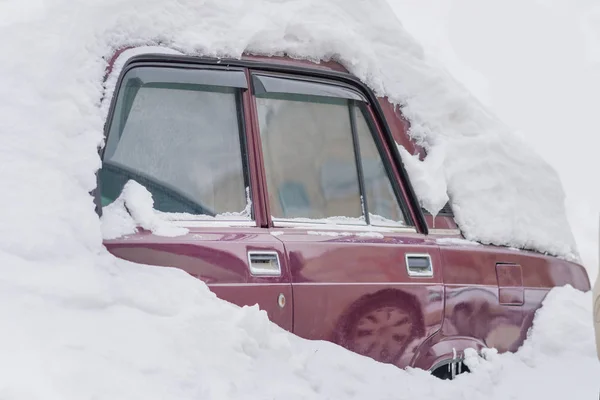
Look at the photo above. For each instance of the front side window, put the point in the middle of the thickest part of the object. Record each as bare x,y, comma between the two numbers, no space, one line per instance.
178,133
309,157
321,160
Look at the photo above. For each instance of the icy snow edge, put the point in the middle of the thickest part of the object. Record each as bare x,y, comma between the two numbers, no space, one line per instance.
501,192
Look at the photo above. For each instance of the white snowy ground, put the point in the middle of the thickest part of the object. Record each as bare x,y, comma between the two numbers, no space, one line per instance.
77,323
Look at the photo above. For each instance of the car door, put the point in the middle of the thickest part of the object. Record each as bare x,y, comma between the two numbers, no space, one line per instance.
362,275
179,131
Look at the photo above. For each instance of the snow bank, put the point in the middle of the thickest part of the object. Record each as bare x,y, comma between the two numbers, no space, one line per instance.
116,330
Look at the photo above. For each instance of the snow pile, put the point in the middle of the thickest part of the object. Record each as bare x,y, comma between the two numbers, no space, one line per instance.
134,209
131,332
427,178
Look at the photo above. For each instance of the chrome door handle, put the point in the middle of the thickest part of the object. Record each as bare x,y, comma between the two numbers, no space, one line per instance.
264,263
419,265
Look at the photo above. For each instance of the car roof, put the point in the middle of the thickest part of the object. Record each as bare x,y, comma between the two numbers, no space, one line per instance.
329,65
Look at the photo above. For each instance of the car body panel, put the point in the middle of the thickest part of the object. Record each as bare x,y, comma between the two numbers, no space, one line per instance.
219,257
497,311
355,290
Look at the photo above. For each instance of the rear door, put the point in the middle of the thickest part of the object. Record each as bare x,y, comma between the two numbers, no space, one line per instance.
179,131
362,275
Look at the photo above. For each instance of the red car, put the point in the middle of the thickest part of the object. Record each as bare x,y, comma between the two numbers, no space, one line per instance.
287,175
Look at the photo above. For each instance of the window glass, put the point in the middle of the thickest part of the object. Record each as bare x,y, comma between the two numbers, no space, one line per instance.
309,156
381,200
180,140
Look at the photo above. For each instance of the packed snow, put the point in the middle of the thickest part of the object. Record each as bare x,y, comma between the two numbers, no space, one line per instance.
78,323
129,332
134,209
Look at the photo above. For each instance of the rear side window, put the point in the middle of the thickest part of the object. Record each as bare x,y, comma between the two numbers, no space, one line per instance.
384,209
321,160
178,133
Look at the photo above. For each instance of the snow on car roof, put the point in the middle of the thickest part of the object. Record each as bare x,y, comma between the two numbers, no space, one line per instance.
500,190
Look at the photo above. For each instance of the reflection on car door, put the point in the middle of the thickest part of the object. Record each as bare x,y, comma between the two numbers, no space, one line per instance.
220,257
361,274
180,133
358,292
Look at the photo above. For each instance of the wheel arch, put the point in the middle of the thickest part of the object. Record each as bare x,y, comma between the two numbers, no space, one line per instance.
442,350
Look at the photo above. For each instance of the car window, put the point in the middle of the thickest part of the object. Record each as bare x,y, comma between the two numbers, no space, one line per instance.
180,138
308,156
310,138
382,203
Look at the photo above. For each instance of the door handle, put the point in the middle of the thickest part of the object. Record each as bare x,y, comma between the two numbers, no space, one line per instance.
419,265
264,263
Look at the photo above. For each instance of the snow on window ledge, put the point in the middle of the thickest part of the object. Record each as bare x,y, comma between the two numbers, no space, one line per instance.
134,209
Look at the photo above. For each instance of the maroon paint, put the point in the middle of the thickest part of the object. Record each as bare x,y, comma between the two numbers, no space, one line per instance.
473,308
217,256
399,126
111,62
344,288
356,292
510,284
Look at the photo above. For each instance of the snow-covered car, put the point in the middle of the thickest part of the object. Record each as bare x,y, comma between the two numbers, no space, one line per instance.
282,185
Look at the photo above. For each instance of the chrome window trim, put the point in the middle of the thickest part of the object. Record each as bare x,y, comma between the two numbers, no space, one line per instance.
283,223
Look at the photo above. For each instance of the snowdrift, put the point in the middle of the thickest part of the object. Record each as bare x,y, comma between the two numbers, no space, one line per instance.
116,330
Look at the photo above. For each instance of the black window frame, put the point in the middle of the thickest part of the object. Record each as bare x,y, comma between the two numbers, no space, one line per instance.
238,96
